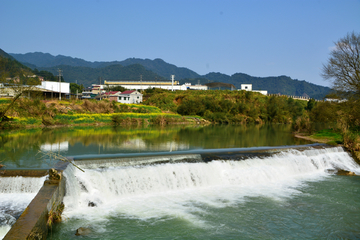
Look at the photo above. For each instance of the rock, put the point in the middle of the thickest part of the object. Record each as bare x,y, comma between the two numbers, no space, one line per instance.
91,204
345,173
82,231
54,175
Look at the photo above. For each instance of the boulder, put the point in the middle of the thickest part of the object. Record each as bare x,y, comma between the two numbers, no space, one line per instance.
345,173
82,231
54,175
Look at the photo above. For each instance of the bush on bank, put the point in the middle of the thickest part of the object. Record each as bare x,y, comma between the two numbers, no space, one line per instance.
221,106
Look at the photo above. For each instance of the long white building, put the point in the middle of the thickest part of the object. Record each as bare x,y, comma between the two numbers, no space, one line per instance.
143,85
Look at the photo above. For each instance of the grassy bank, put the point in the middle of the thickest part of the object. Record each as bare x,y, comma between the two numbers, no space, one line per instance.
35,113
349,139
339,124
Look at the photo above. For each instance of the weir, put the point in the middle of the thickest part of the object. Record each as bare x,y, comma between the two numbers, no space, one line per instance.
111,179
195,155
33,221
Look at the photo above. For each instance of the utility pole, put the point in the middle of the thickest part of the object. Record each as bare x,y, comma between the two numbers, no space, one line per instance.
60,71
141,82
172,82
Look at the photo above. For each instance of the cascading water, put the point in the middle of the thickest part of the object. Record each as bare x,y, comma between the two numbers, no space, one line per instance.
15,194
185,191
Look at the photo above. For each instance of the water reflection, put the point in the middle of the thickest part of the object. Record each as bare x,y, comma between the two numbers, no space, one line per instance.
20,149
55,147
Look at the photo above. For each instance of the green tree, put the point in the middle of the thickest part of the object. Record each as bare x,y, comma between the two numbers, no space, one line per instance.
117,88
310,104
74,88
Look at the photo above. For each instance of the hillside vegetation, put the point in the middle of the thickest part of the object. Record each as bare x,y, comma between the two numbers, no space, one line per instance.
223,106
38,113
11,68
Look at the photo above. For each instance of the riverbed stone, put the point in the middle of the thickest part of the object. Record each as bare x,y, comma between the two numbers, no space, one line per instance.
345,173
82,231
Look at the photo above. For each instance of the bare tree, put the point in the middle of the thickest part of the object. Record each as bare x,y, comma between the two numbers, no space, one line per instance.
343,67
16,87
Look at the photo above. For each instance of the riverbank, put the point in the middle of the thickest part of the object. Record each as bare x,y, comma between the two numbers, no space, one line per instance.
33,114
314,139
329,137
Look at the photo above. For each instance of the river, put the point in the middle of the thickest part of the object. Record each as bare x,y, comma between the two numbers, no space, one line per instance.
289,194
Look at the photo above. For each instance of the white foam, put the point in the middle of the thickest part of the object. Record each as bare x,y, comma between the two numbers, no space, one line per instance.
20,184
3,230
176,190
15,195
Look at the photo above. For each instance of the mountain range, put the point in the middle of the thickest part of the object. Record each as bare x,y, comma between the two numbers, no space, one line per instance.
87,73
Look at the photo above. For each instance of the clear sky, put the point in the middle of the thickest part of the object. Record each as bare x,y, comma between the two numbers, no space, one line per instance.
257,37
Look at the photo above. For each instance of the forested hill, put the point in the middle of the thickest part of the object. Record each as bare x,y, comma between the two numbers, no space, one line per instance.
9,67
281,84
274,85
46,60
87,73
160,67
5,55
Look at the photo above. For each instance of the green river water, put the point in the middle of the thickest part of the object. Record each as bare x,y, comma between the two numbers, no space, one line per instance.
291,194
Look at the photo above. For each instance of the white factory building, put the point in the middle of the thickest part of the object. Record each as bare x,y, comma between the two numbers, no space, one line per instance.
143,85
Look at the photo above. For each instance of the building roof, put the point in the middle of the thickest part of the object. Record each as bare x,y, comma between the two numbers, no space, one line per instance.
128,92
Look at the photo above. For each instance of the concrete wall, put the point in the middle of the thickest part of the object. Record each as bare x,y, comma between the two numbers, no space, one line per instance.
32,224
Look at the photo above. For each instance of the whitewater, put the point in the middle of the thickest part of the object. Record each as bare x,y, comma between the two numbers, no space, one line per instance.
191,193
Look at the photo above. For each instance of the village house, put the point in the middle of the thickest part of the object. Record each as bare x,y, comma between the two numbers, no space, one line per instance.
129,96
108,95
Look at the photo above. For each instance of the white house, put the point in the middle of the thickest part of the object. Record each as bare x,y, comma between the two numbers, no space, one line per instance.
130,96
248,87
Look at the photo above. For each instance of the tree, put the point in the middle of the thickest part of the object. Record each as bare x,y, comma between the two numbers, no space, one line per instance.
310,104
117,88
16,79
343,67
74,87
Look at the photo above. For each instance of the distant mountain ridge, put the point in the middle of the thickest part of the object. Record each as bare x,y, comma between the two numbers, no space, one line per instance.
87,73
88,76
5,55
158,66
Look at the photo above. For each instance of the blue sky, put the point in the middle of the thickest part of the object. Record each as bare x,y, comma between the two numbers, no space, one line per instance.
258,37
